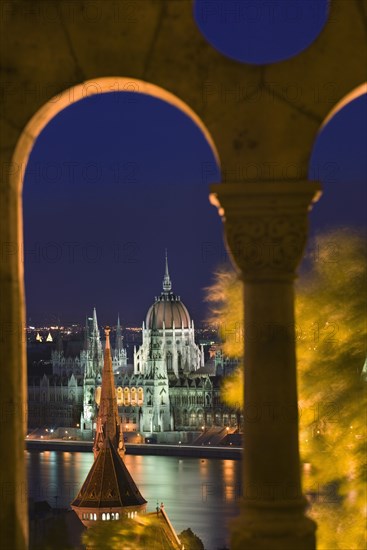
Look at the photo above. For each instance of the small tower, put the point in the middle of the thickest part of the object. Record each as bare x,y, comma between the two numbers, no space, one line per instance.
118,344
119,355
109,492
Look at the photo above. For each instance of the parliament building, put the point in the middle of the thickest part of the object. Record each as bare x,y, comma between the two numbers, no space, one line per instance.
167,387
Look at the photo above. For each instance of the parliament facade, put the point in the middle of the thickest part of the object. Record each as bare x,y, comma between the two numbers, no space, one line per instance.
168,386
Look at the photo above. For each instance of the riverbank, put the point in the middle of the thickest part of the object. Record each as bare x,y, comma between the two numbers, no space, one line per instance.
233,453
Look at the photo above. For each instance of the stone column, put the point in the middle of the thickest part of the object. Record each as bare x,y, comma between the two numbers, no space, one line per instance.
266,231
13,383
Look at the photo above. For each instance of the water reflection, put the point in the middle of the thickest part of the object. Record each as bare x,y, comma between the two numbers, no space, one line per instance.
202,494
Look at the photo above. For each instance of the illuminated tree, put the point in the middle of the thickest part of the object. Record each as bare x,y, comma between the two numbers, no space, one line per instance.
331,349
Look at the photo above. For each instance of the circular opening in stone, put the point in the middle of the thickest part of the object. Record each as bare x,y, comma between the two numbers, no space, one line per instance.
263,32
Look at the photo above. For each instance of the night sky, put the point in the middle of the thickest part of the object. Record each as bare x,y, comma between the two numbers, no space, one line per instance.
119,176
116,178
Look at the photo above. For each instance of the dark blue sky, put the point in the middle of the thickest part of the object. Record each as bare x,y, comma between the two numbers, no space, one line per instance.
339,161
112,181
261,32
116,178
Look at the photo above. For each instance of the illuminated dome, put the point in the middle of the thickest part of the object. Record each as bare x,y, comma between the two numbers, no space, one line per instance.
167,309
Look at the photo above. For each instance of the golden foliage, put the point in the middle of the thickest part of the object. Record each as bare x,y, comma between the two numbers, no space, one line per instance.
331,301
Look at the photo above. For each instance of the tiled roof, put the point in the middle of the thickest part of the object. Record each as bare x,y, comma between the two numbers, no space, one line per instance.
109,483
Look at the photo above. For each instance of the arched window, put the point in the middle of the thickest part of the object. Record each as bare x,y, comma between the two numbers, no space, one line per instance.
193,419
108,516
133,396
126,396
119,396
103,516
117,516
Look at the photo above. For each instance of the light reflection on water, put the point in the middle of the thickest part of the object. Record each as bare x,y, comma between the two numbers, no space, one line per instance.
202,494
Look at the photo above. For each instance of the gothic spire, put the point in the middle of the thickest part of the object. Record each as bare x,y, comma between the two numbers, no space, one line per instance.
108,421
95,323
118,345
166,281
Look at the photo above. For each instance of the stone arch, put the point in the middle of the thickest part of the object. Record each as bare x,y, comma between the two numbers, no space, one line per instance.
164,47
81,91
341,176
342,103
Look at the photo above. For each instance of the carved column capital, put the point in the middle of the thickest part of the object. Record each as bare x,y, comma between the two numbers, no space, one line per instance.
266,225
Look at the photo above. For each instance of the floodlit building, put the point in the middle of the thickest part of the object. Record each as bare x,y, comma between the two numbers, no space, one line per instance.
167,388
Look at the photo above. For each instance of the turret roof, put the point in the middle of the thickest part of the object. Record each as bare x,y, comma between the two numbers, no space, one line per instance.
109,483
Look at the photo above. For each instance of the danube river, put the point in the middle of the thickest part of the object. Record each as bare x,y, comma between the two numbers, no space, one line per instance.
199,493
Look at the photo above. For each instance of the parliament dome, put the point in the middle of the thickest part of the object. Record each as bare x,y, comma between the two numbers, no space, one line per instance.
167,310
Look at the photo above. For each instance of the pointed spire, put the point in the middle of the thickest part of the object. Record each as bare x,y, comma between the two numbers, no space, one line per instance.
95,322
167,285
118,344
108,421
